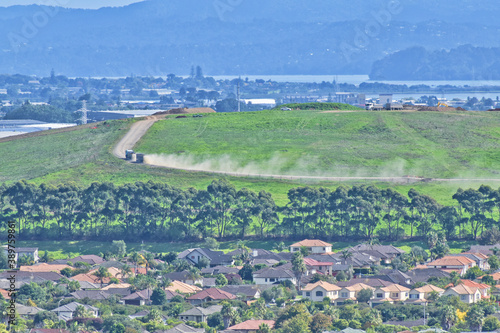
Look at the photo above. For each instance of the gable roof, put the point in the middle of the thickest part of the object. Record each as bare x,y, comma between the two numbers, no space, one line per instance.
249,290
313,262
323,284
251,325
199,311
451,261
428,288
182,287
139,295
90,294
183,328
372,282
117,286
464,290
472,284
311,243
395,288
358,287
212,293
279,272
71,307
215,257
44,267
89,259
220,270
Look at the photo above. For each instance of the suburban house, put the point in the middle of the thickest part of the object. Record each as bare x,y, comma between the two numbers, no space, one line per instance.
183,288
313,245
467,294
484,289
273,275
480,259
66,312
23,251
453,264
44,268
316,292
421,295
322,267
90,294
392,293
184,277
215,258
209,295
248,290
384,252
183,328
350,293
198,314
249,326
138,298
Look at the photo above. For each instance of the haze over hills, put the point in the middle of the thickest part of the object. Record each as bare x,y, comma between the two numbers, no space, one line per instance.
159,37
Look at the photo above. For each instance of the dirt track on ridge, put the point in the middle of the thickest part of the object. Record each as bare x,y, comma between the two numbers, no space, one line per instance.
133,136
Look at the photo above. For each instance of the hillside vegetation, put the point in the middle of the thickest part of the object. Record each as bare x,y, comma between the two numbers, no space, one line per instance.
368,144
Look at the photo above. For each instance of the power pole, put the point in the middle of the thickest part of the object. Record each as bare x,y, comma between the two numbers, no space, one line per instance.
84,111
238,94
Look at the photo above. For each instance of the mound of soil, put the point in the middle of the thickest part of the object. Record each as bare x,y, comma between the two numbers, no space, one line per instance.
185,111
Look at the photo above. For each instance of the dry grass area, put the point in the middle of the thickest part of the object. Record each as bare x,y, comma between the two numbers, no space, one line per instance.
186,111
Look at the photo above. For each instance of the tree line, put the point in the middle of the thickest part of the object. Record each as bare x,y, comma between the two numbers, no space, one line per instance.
158,211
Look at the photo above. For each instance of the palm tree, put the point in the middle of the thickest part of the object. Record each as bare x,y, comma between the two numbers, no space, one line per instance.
298,267
193,274
101,274
345,255
126,271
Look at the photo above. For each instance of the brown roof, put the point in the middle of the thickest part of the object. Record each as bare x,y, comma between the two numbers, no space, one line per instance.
4,293
212,293
464,290
473,284
395,287
451,261
251,325
182,287
325,285
358,287
311,243
428,288
89,278
44,267
495,276
117,286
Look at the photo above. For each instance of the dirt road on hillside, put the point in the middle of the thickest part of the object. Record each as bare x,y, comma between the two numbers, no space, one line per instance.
140,128
133,136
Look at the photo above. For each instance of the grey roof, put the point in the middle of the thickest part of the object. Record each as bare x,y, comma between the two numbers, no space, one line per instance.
220,270
183,328
119,291
423,275
387,250
209,282
71,307
199,311
88,285
267,262
91,294
139,295
370,281
215,257
407,323
274,272
484,249
139,314
33,276
247,290
24,310
178,276
89,259
396,276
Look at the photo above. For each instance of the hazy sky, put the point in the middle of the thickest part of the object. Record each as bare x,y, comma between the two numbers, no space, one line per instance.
70,3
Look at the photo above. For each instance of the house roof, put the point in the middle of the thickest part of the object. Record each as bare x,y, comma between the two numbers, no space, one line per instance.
451,261
220,270
4,293
183,328
27,310
485,249
139,295
395,288
90,278
463,290
373,282
71,307
428,288
183,288
422,275
89,259
311,243
245,289
358,287
33,276
323,284
90,294
313,262
199,311
495,276
48,330
212,293
251,325
44,267
473,284
215,257
117,286
279,272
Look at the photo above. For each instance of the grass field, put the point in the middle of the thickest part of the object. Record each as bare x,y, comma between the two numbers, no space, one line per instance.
430,144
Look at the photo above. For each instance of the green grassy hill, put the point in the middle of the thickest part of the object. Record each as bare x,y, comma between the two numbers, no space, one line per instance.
371,144
290,142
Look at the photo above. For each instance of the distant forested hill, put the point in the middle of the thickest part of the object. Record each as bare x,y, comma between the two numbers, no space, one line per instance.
462,63
158,37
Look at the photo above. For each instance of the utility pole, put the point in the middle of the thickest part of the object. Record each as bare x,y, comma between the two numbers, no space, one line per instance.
84,111
238,94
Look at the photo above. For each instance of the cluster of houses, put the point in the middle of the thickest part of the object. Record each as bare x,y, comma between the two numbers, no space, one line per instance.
387,285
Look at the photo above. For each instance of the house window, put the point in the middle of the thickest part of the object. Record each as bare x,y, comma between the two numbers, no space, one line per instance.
266,279
308,293
380,295
414,296
463,297
272,280
319,294
395,295
344,295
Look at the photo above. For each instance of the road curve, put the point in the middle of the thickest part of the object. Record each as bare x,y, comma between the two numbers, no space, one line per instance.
140,128
135,133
